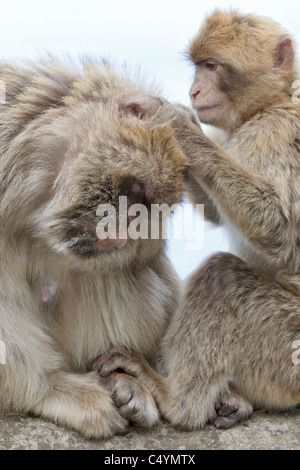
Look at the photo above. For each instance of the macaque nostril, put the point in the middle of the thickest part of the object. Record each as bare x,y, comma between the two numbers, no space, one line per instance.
194,91
136,188
137,193
134,191
149,193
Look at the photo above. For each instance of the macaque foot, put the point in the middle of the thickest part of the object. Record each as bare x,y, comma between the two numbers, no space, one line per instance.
130,395
231,409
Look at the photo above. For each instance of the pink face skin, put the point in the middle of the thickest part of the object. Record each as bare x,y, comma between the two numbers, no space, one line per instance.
206,95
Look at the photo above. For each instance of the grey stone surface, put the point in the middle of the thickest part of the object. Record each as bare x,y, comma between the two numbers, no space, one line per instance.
265,430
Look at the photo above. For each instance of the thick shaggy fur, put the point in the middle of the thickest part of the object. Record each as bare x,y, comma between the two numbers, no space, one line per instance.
67,144
240,315
248,47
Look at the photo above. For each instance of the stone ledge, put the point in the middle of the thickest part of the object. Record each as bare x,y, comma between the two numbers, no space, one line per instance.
264,431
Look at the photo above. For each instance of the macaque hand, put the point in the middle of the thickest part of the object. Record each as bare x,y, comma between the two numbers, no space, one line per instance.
153,110
189,135
187,112
130,395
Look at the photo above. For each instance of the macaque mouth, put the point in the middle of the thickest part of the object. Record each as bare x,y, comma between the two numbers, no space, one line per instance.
80,236
88,231
205,108
89,246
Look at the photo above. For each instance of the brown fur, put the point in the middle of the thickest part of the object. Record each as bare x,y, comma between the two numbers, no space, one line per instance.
240,314
69,141
249,48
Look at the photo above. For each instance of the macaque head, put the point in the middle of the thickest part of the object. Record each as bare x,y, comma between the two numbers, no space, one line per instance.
244,64
74,163
111,165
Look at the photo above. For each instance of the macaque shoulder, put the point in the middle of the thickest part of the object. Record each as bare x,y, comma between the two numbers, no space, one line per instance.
269,138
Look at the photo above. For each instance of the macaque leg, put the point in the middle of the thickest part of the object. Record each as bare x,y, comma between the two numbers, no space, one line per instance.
36,379
232,323
33,380
79,401
145,386
140,386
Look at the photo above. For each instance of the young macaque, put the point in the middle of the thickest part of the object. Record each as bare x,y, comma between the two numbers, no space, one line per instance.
240,314
72,144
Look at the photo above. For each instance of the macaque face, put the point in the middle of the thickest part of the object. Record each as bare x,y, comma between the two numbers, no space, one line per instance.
207,93
109,154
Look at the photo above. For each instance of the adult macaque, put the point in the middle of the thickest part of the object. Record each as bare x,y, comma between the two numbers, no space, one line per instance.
240,314
71,142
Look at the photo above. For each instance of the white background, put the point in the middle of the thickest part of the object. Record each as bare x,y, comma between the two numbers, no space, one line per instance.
152,34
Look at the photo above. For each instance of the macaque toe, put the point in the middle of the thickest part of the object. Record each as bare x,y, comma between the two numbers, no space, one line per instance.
231,409
226,409
134,402
225,422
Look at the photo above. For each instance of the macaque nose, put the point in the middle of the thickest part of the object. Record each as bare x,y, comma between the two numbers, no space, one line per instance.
137,192
141,193
194,91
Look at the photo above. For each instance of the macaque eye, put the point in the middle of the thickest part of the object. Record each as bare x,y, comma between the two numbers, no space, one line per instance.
211,66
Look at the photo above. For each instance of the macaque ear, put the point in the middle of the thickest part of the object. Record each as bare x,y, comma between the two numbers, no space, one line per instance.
133,104
140,106
284,59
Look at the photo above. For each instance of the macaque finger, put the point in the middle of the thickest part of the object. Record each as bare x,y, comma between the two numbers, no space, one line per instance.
128,362
135,403
189,113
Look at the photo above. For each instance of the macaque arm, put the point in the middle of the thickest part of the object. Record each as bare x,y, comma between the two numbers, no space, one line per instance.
250,201
152,109
197,195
